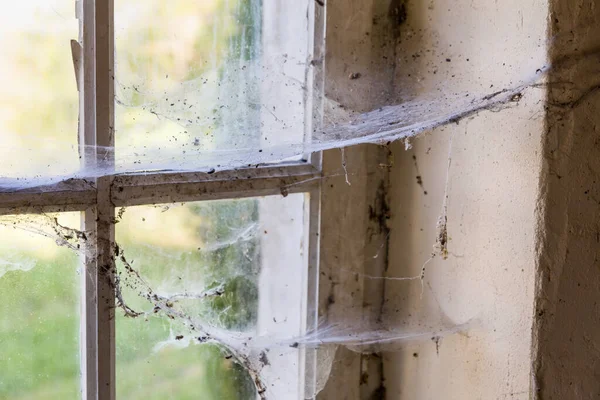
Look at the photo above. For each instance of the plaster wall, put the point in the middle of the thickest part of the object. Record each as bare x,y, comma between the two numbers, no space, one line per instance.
486,169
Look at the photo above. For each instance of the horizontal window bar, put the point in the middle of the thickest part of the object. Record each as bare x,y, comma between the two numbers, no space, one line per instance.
163,187
71,195
194,186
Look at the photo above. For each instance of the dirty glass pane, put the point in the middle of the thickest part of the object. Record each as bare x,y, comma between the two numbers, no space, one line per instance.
210,83
39,314
39,99
231,268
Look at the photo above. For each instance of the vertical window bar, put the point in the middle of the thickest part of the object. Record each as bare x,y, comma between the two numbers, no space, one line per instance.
86,76
315,76
314,122
104,222
312,287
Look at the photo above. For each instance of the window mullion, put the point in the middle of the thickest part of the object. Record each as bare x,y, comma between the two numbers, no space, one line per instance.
157,188
96,142
104,30
87,141
106,270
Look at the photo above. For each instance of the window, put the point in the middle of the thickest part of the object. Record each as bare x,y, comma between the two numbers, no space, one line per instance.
181,260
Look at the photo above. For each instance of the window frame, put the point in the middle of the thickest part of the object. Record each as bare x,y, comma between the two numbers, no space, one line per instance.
97,198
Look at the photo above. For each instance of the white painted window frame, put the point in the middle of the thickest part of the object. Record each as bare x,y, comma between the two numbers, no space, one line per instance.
98,198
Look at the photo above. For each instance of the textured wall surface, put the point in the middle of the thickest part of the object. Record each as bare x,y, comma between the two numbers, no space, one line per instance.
359,72
522,188
491,190
567,325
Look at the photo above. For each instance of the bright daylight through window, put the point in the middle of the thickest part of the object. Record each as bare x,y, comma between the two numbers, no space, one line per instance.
118,276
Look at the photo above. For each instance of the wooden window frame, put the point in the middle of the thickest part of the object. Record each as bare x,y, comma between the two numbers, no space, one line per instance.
97,198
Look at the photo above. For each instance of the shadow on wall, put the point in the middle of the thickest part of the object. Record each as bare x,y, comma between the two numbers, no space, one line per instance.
567,321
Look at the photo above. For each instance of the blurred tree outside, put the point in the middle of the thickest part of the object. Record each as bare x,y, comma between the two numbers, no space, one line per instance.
165,50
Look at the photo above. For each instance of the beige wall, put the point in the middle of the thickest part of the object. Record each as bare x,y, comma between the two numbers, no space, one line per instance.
567,329
488,279
492,194
523,199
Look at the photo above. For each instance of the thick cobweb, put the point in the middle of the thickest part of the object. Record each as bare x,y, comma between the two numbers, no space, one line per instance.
223,87
208,289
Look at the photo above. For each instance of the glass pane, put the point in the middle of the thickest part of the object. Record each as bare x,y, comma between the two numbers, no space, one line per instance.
39,315
39,99
210,83
224,270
